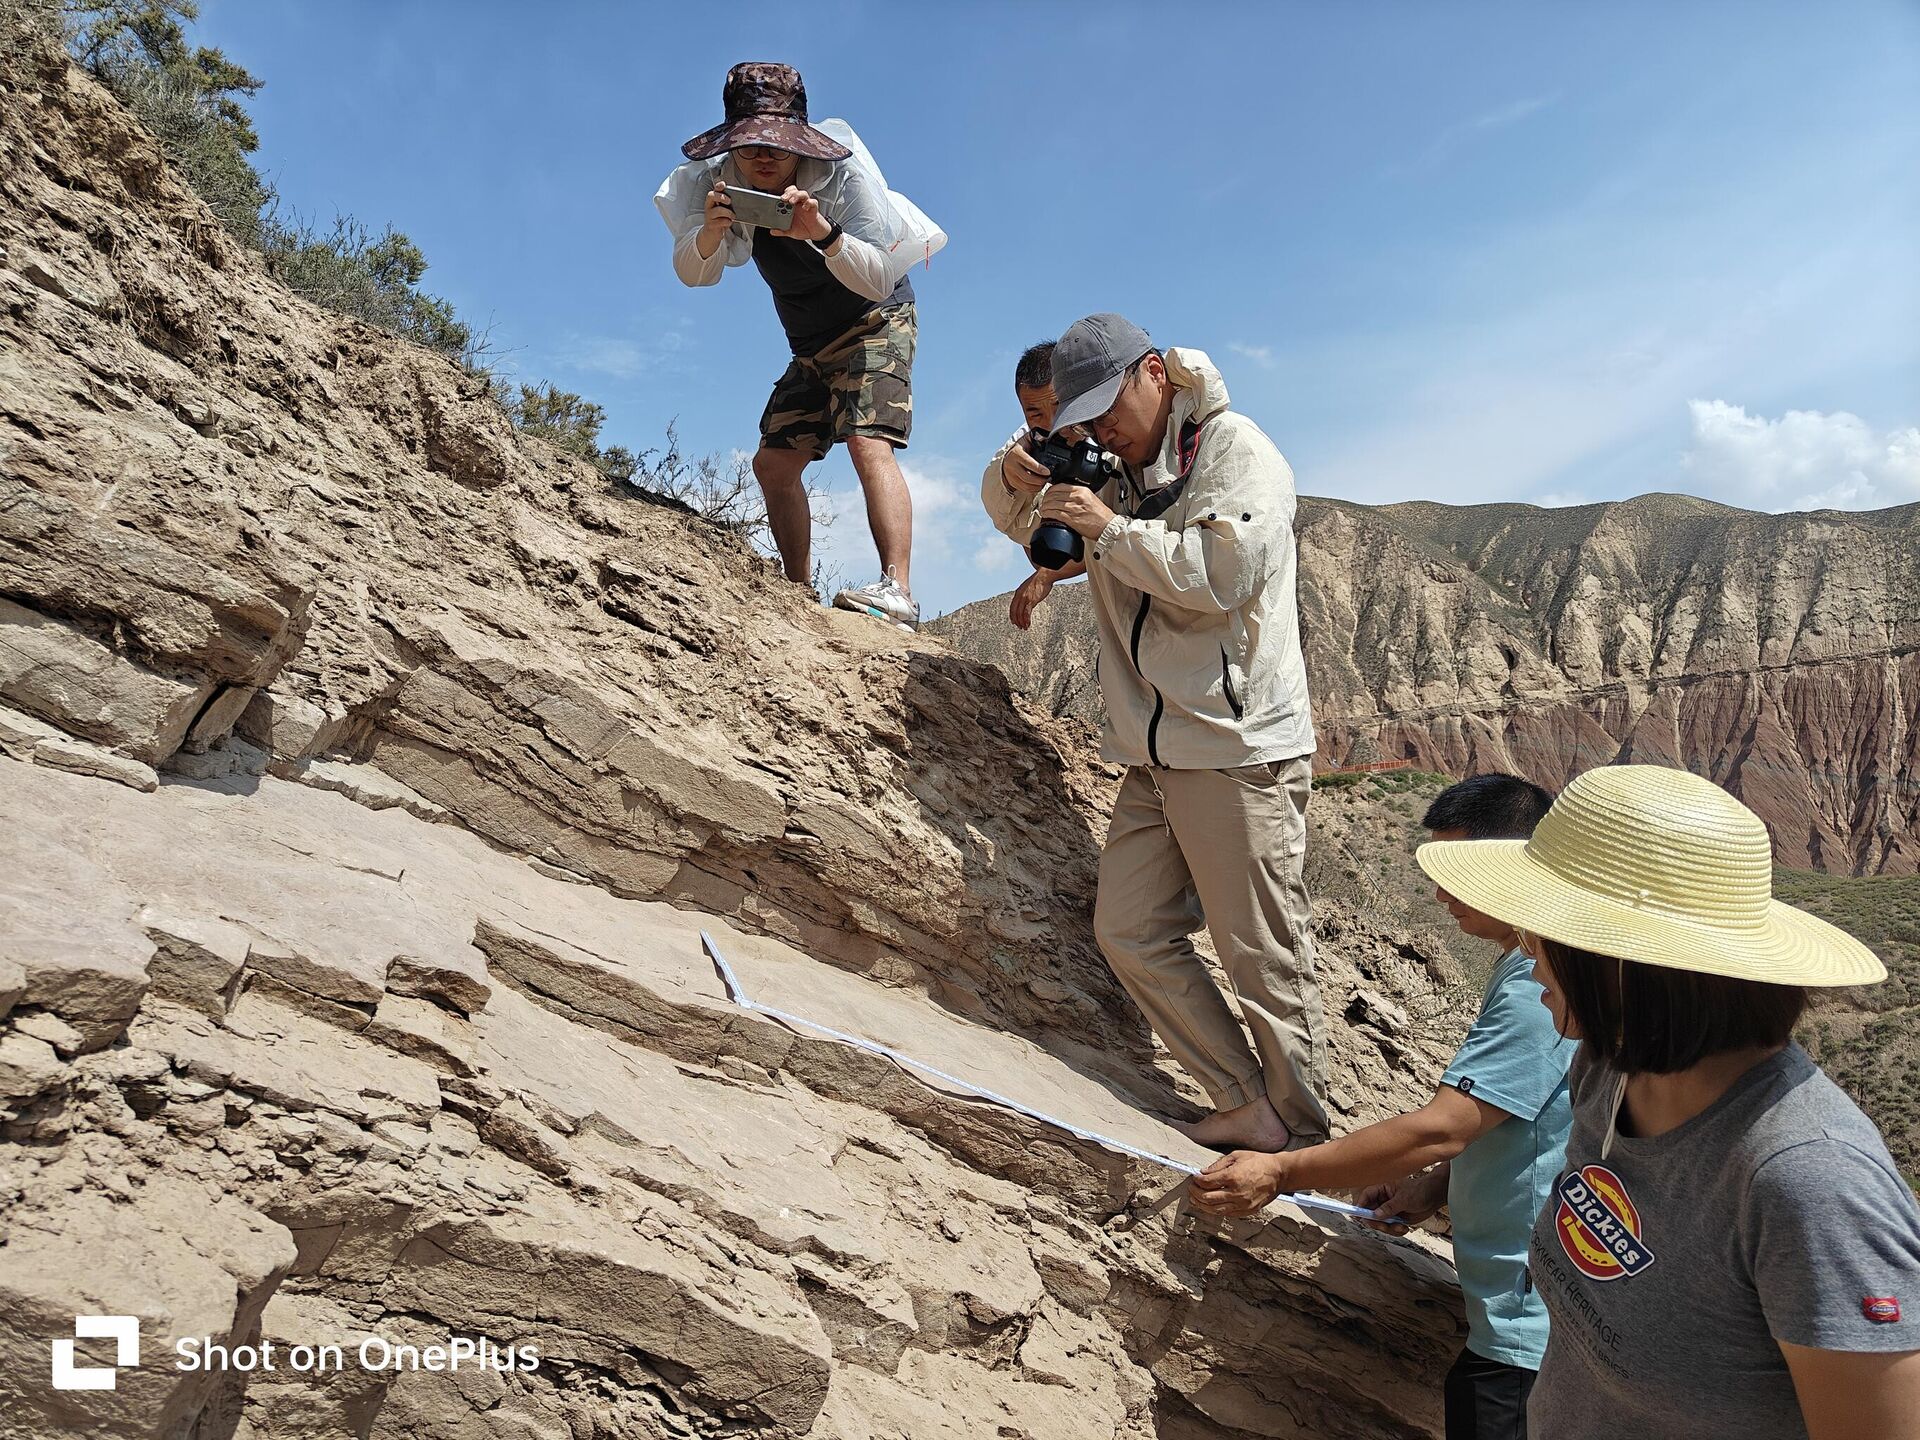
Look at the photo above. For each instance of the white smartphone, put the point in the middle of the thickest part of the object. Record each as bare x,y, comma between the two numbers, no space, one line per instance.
756,207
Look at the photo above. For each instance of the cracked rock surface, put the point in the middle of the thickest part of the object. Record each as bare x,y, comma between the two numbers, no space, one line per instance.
702,1220
367,775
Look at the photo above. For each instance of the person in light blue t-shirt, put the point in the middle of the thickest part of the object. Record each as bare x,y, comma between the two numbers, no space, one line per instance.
1488,1146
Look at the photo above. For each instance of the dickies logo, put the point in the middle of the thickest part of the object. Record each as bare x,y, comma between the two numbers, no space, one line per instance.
1881,1309
1598,1225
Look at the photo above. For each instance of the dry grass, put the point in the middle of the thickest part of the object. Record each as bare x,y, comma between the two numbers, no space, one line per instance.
1868,1039
28,27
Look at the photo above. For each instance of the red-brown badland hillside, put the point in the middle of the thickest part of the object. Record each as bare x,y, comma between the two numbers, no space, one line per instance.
1779,655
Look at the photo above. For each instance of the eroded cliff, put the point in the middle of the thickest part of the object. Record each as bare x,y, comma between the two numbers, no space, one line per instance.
369,775
1779,655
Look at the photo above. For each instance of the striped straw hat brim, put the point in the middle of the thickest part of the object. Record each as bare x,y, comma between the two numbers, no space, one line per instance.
1655,865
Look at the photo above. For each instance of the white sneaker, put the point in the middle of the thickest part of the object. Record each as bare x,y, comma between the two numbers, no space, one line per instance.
884,599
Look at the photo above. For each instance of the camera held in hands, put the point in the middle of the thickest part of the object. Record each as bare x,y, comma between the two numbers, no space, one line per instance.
1076,462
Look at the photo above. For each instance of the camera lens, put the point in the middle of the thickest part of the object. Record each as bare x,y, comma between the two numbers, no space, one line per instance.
1054,545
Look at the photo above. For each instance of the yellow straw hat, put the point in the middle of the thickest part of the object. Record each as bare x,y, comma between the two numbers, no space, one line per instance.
1645,863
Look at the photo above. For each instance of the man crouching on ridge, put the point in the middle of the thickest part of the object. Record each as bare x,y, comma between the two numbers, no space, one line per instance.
1190,554
842,297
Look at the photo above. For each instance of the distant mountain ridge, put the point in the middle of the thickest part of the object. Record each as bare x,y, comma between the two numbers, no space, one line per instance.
1777,654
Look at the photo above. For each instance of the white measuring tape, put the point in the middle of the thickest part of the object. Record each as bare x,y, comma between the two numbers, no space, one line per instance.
746,1002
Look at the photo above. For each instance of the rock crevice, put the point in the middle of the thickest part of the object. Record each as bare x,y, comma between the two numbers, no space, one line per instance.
369,773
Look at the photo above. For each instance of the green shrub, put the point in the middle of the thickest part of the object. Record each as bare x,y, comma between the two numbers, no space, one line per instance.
193,100
557,416
1340,780
190,98
377,280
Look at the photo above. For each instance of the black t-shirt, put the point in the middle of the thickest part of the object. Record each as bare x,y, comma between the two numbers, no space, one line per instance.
814,308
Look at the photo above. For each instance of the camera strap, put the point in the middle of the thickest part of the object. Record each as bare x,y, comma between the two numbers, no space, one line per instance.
1188,447
1186,450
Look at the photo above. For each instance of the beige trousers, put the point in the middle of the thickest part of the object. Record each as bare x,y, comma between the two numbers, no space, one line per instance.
1226,846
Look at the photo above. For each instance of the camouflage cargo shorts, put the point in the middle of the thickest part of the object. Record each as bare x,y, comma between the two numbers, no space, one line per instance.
861,384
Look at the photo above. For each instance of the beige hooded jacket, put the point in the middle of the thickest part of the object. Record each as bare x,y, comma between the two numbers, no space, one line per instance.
1193,583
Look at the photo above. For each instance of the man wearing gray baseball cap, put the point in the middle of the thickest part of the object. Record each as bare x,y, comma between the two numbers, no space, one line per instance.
1189,551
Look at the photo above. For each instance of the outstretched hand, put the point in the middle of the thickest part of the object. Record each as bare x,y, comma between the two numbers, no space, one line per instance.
1030,592
1238,1184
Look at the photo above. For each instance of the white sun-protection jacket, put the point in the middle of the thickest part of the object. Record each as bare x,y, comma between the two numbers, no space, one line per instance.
886,233
1193,584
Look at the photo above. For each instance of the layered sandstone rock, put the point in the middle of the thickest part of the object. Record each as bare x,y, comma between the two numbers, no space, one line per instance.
574,1145
368,777
1777,654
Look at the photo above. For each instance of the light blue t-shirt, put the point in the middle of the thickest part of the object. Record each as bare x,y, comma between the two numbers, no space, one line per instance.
1512,1058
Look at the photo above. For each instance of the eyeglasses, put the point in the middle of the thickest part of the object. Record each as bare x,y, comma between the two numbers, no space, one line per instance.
761,152
1105,417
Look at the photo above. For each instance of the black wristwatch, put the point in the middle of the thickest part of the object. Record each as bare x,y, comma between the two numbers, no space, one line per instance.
832,235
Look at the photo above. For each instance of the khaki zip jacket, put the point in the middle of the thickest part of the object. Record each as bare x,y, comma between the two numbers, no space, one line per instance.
1193,583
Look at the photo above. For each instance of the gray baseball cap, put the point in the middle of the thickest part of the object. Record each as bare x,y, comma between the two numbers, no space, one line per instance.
1090,364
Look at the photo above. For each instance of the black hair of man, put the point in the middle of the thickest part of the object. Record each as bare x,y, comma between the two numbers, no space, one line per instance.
1657,1020
1489,807
1035,369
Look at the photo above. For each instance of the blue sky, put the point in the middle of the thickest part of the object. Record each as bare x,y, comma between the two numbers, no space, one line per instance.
1461,252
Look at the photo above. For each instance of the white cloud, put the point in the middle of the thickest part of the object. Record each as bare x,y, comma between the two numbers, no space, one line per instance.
1805,460
1259,354
1561,500
947,522
936,494
1561,359
1511,113
617,356
998,555
1487,121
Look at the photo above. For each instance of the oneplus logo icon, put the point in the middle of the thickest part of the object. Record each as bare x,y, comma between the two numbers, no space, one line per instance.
123,1330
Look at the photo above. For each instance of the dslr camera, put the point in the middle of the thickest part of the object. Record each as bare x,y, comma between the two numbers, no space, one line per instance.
1077,462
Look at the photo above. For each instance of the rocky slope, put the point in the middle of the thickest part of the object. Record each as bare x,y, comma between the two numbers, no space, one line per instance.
1777,654
369,774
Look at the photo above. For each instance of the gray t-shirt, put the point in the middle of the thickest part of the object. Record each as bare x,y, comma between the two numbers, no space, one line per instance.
1673,1267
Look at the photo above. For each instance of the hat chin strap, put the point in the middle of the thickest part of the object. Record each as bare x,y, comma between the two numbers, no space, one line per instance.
1619,1089
1613,1117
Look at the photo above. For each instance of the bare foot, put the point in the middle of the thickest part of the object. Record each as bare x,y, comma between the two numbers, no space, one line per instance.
1253,1126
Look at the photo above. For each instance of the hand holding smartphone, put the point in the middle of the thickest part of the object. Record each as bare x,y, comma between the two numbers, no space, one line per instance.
757,207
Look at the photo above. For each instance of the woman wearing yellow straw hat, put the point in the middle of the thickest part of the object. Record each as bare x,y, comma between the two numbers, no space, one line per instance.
1730,1250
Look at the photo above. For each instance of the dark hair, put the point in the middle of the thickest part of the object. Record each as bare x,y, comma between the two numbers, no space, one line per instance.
1489,807
1655,1020
1035,368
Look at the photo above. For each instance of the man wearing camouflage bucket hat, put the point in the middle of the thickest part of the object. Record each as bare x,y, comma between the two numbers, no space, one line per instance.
837,271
